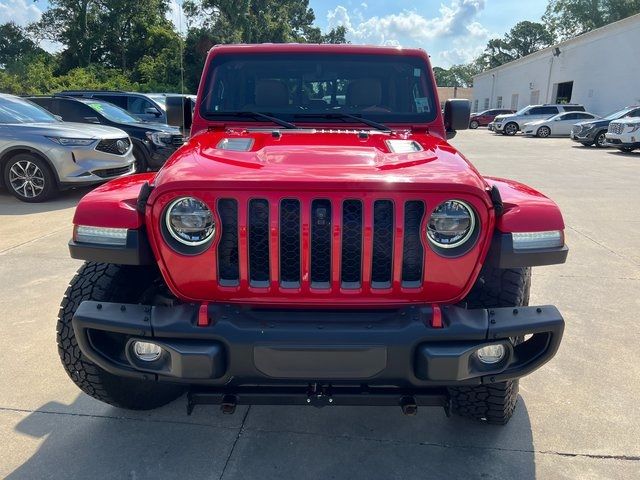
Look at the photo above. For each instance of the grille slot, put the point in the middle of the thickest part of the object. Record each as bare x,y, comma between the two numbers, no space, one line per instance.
259,243
616,128
114,172
351,265
290,243
320,243
412,250
110,145
228,261
382,257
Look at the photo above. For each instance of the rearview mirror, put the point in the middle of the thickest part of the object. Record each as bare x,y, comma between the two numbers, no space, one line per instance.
457,112
179,112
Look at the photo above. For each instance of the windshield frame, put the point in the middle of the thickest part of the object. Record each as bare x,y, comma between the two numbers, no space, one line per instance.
413,118
47,118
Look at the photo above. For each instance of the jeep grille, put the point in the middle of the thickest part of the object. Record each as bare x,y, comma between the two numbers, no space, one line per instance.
350,257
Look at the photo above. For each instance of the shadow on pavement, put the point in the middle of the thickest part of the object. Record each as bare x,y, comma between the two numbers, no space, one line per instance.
276,443
9,205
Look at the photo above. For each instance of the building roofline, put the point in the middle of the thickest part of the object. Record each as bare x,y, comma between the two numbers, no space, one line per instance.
573,40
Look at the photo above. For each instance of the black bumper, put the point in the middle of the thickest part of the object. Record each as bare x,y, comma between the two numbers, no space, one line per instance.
240,347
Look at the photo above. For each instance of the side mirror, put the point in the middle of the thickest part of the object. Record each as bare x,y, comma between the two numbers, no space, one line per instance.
180,111
58,117
152,111
92,119
457,112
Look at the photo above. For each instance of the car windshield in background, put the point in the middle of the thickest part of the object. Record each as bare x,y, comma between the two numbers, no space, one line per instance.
618,114
16,110
111,112
317,87
160,100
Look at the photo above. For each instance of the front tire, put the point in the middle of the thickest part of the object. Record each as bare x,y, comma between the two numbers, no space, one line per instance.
474,124
141,159
601,140
543,132
108,283
29,178
511,129
493,403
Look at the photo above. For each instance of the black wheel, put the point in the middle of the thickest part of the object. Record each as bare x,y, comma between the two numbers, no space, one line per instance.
110,283
29,178
600,140
511,129
474,124
495,403
141,159
543,132
626,149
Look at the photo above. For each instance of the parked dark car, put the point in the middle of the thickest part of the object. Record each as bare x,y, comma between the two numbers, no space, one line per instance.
593,132
482,119
153,143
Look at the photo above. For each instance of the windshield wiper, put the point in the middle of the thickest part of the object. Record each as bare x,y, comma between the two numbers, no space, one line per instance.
341,115
263,116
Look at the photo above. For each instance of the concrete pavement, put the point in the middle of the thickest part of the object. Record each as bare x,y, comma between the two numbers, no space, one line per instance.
578,416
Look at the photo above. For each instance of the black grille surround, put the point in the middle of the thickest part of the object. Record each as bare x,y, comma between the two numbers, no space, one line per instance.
111,146
337,252
114,172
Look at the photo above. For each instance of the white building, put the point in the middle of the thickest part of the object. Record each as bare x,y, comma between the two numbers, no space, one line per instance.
600,70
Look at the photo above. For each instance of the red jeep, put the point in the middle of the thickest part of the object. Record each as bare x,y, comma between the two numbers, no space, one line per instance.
317,241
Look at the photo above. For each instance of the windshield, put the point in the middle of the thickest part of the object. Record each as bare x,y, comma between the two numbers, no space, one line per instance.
382,88
111,112
618,114
522,111
160,100
17,110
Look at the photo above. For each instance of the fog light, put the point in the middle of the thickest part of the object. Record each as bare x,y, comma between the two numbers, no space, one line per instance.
146,351
491,353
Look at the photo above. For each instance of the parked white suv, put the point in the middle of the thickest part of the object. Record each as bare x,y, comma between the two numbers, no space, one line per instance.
624,134
511,124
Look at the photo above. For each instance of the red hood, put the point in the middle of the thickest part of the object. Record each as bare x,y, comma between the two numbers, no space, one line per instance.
318,159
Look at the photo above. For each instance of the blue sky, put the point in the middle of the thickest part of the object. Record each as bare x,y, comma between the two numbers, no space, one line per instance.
452,31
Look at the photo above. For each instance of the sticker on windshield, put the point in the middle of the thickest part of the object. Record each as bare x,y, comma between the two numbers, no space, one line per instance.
96,106
417,72
422,104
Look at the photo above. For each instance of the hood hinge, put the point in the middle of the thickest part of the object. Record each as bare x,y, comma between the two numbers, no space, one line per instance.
496,199
143,196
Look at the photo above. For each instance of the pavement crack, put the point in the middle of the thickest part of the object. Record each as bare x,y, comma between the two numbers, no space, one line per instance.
619,255
233,447
634,458
27,242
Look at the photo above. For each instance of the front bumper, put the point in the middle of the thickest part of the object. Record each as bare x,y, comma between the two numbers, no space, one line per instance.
85,165
628,140
587,136
234,348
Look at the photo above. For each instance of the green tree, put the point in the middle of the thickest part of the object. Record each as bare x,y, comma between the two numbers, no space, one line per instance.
16,46
569,18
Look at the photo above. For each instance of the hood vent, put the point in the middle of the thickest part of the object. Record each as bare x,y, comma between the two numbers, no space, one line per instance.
403,146
235,144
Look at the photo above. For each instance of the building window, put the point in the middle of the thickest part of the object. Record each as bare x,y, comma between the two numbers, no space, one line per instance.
486,104
475,105
535,97
514,101
499,102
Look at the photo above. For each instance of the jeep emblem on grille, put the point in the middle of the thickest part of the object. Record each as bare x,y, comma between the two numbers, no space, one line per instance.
122,146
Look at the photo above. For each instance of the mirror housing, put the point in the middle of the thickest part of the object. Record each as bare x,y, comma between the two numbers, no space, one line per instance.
457,113
92,119
152,111
179,111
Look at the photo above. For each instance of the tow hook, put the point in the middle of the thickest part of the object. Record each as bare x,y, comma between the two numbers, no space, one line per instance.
228,405
319,396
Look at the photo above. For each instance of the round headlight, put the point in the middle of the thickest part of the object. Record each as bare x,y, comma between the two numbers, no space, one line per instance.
190,221
451,224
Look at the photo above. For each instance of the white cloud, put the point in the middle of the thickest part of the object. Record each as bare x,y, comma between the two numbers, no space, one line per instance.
20,12
455,19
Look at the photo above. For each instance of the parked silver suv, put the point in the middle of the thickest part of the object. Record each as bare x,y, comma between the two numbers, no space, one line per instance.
510,124
40,154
